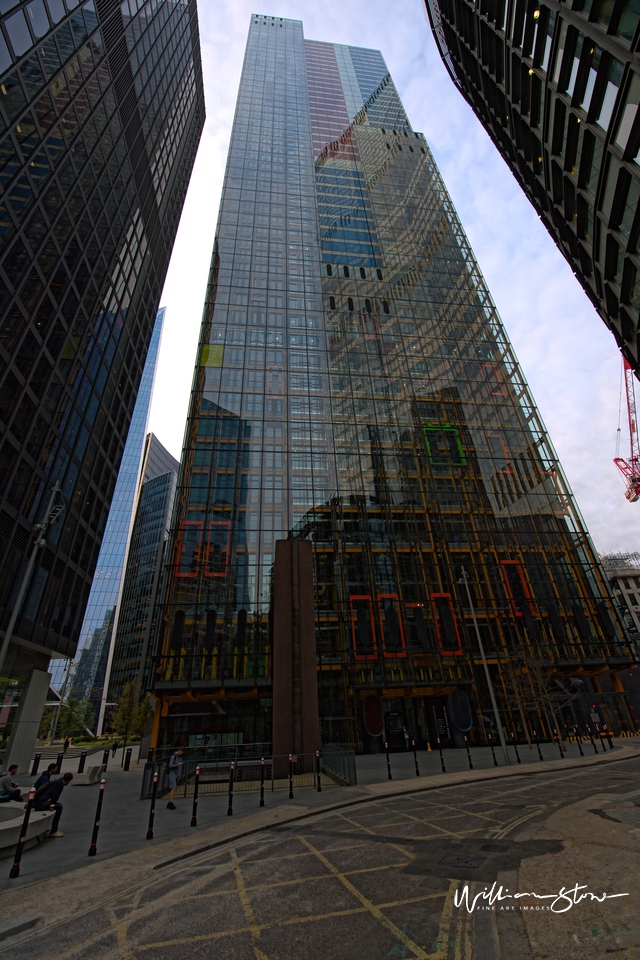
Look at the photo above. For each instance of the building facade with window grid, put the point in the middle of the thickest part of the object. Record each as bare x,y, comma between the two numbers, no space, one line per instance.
142,578
83,677
557,86
101,110
355,386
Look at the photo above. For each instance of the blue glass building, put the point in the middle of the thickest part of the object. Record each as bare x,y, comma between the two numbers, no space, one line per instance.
88,670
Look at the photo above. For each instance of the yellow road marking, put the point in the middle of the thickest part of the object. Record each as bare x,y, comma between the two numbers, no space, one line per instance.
375,911
254,927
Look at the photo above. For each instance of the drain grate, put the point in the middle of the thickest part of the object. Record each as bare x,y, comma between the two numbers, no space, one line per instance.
459,860
495,847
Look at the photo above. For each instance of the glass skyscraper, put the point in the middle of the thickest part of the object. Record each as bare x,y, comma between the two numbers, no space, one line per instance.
557,87
101,110
142,577
355,387
87,674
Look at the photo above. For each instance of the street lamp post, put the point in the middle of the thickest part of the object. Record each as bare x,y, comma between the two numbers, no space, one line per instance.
53,511
465,579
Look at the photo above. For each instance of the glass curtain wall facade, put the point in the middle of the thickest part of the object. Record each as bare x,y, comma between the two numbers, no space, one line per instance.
557,87
355,387
144,567
101,110
86,673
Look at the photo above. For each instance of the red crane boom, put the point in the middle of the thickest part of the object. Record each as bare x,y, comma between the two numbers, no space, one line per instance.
630,469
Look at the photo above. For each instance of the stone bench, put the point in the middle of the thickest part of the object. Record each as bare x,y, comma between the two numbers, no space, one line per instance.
11,817
91,775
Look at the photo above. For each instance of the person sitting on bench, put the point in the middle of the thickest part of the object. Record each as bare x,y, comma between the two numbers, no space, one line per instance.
8,789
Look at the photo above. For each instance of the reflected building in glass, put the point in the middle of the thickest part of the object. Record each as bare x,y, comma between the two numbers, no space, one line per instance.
101,110
355,387
86,680
142,576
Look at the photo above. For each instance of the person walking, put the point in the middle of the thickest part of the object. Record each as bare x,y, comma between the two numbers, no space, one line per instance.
46,775
174,768
49,796
65,745
405,734
8,789
114,747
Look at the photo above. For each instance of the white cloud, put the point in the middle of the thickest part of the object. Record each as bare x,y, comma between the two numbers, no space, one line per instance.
568,356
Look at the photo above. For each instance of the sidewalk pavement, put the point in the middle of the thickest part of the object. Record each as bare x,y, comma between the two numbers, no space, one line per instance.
125,859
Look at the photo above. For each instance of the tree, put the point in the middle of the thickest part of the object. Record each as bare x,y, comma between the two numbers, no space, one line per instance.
143,719
532,684
75,717
124,720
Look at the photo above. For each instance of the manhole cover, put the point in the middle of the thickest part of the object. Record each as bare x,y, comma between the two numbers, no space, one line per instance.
495,847
459,860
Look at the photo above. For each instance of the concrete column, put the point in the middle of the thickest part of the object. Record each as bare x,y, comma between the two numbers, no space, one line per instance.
24,732
295,677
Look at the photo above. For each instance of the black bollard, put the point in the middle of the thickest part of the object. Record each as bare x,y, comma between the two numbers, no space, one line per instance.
290,777
535,737
515,744
318,771
262,782
593,743
493,753
608,736
93,847
600,740
577,736
82,761
59,762
194,809
15,869
36,764
557,735
105,758
152,811
386,747
415,757
231,774
441,757
127,758
466,743
150,755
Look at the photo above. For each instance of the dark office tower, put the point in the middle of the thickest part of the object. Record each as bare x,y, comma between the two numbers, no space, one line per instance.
557,87
144,568
101,109
355,387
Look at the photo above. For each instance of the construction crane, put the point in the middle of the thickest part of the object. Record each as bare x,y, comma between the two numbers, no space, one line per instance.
630,468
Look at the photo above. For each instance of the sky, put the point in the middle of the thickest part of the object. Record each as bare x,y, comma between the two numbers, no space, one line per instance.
568,356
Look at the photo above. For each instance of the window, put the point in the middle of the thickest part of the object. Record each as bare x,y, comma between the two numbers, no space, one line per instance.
516,586
350,304
385,306
345,270
189,548
217,555
391,629
329,270
446,624
379,273
332,303
363,631
363,273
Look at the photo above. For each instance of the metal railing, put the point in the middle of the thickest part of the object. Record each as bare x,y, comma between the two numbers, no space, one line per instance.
337,768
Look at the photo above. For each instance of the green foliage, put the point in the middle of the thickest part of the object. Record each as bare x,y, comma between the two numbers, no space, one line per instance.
143,719
75,715
124,720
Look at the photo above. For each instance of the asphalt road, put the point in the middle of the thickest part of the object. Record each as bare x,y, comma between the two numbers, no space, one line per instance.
379,881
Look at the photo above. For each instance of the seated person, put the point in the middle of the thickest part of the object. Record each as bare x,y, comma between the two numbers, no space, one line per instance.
48,796
8,789
46,775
